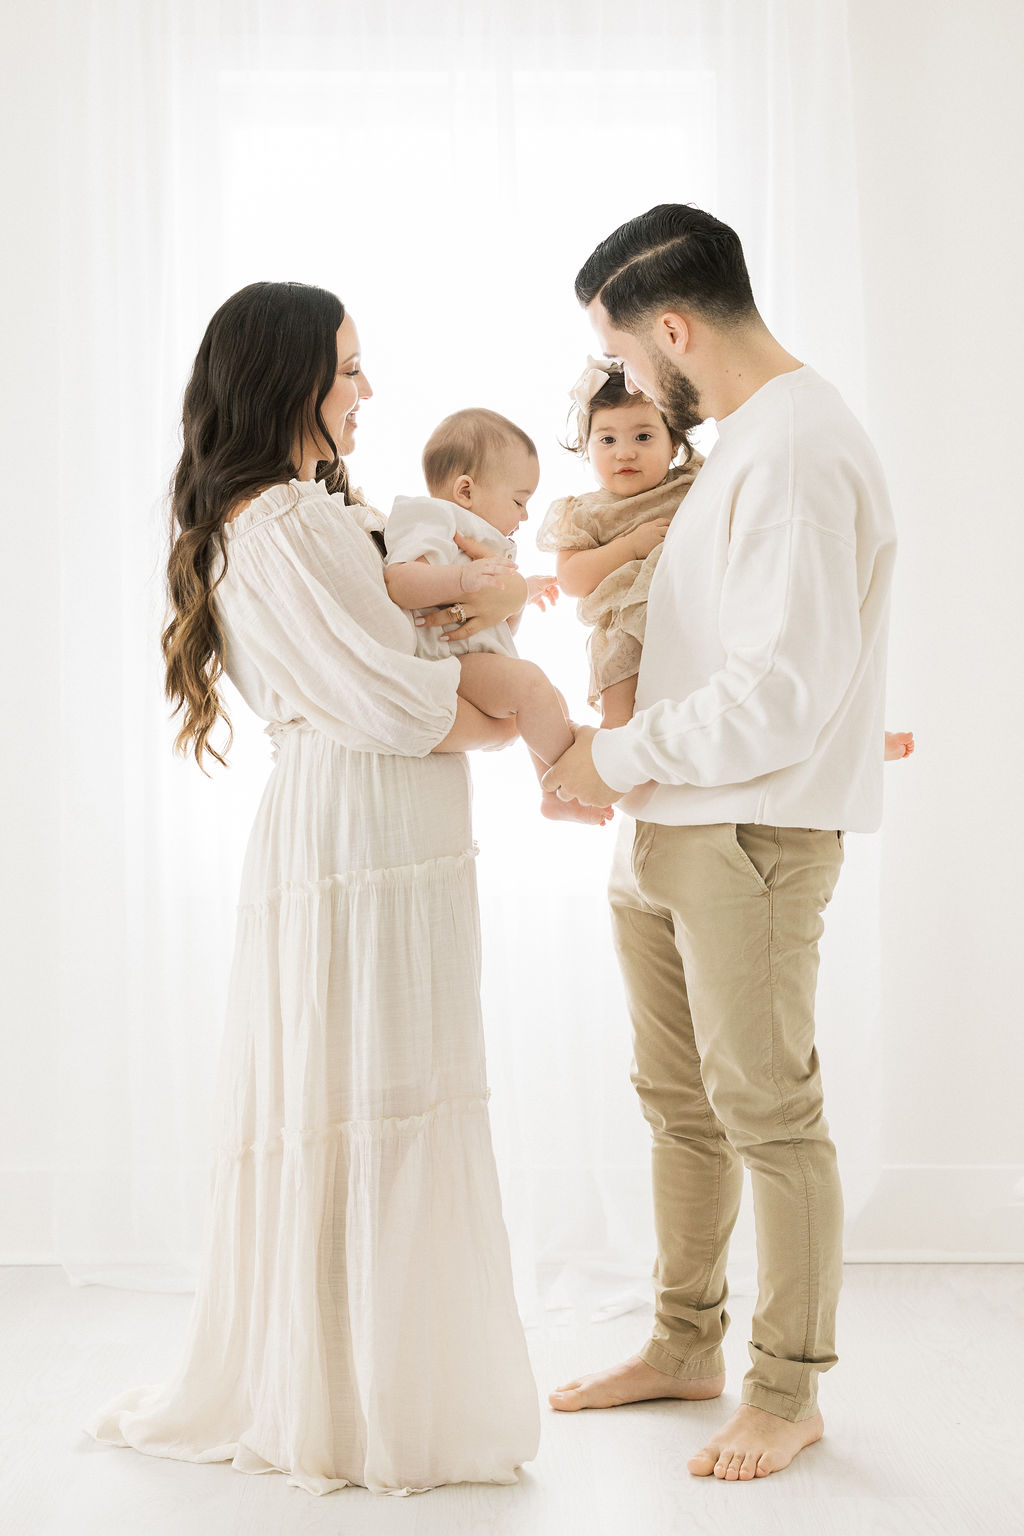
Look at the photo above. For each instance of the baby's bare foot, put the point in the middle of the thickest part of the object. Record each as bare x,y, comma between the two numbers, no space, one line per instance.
571,810
634,1381
898,744
753,1444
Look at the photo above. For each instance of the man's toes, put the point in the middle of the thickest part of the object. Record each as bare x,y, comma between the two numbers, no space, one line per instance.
732,1468
765,1464
749,1465
704,1462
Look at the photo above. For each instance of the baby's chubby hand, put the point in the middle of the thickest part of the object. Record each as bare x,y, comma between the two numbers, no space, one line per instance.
648,536
542,590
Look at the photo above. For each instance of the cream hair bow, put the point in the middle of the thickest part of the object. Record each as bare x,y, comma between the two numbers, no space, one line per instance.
594,376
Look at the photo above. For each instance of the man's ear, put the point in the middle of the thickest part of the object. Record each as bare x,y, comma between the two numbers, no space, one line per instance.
462,491
672,332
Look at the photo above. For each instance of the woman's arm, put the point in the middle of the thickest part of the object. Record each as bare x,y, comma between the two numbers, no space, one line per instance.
581,571
308,614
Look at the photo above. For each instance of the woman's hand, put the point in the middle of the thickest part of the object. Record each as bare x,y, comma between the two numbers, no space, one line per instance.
488,571
648,536
485,608
477,551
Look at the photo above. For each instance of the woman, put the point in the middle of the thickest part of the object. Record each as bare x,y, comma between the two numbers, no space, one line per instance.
354,1321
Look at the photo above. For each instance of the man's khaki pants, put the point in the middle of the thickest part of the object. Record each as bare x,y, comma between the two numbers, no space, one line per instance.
717,933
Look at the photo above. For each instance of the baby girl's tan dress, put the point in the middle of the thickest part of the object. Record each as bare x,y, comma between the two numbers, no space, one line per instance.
616,611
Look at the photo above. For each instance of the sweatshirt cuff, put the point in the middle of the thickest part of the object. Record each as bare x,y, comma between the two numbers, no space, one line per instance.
611,754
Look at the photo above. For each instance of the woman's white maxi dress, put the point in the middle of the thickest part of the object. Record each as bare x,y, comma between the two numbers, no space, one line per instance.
355,1320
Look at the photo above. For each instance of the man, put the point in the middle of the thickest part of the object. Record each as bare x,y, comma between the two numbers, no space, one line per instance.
756,742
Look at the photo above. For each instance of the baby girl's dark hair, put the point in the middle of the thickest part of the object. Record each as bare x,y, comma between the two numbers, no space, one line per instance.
613,395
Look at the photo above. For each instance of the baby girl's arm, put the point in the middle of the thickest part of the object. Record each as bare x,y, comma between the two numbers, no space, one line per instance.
581,571
417,584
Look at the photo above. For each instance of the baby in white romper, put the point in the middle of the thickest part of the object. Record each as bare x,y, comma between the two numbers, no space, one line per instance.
481,470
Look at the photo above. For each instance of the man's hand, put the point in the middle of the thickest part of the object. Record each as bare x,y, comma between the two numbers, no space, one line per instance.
574,776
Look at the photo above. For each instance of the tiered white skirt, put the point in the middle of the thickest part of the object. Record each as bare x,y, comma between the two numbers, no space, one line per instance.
354,1320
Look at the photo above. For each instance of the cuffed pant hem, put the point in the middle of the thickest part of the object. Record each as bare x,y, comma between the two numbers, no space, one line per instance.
693,1369
782,1404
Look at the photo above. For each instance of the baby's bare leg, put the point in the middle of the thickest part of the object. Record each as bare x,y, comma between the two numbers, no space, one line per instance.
501,686
617,703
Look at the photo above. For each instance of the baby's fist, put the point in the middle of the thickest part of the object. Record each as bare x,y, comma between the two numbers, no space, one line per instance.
542,590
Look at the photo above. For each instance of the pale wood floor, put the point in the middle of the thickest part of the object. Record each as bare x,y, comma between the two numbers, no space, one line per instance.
925,1430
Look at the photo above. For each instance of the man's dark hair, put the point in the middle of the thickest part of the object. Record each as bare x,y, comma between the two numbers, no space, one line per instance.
673,257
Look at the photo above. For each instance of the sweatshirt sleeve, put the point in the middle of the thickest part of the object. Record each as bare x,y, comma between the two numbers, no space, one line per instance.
789,625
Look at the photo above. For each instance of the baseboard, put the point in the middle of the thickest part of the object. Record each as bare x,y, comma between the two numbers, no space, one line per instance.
27,1233
930,1256
932,1213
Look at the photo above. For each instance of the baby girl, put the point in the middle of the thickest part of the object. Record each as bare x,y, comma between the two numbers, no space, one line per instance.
608,541
481,470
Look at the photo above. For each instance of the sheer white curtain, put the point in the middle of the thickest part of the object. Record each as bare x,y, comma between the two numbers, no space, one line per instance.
445,169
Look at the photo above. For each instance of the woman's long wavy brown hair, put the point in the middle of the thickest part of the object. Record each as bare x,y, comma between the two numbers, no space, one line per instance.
262,373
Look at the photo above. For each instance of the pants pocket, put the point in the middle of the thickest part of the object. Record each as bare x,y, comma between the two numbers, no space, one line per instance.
755,850
642,839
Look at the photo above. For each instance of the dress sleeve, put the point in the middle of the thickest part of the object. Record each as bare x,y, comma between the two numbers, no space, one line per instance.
305,609
562,528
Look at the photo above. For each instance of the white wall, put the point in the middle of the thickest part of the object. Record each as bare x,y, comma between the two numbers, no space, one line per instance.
940,129
29,637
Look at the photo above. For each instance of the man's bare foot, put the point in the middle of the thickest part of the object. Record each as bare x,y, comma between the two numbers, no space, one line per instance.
754,1443
634,1381
571,810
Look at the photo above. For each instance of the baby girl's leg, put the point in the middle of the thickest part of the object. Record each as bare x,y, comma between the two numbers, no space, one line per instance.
898,744
506,685
617,703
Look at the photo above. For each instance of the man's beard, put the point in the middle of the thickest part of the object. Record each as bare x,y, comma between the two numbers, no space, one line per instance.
677,400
